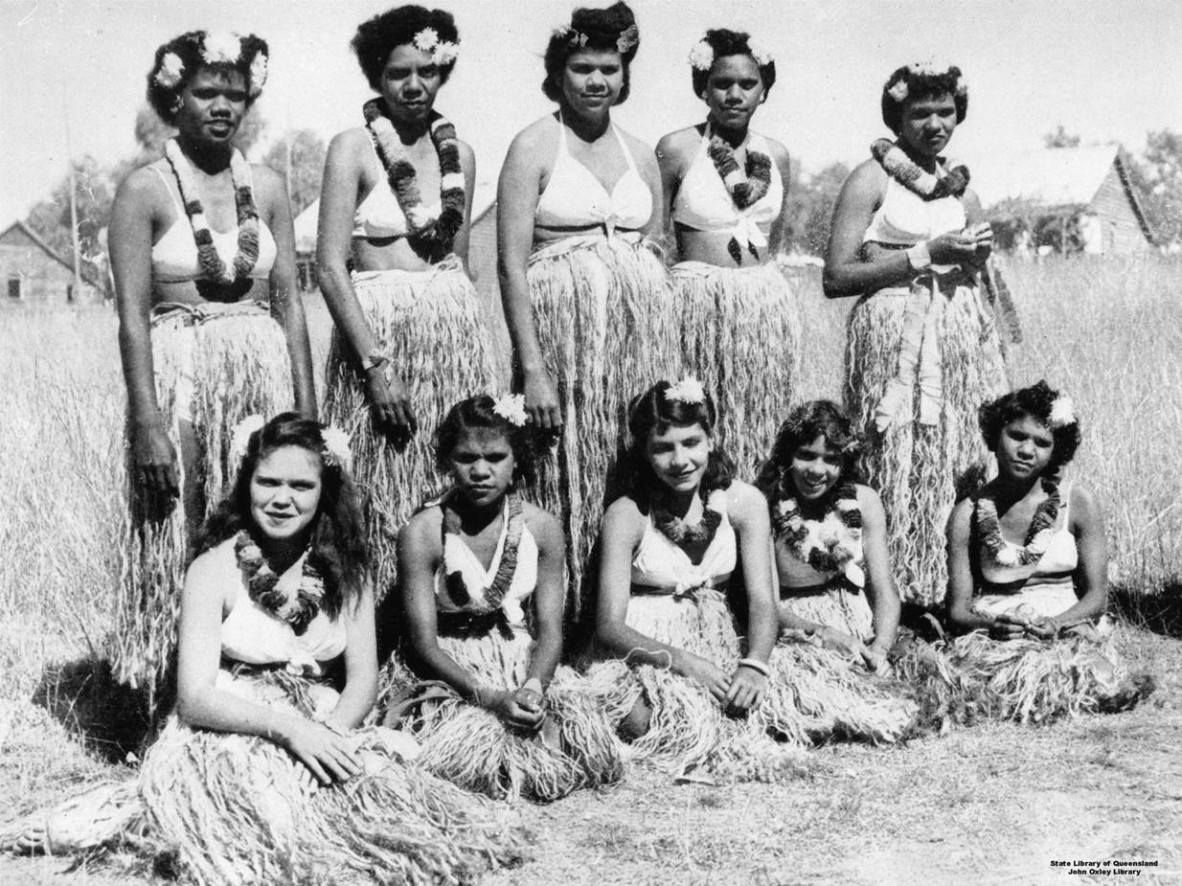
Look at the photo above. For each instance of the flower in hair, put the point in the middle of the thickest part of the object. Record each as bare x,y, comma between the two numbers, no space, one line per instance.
628,38
336,447
171,71
688,390
898,92
258,72
511,408
760,51
426,40
240,437
445,52
701,57
221,48
1062,412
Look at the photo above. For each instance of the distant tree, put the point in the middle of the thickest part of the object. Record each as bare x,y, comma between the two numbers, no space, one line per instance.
307,165
810,209
1157,178
94,191
1061,138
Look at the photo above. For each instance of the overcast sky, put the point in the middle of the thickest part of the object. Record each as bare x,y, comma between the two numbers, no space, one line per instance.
1109,71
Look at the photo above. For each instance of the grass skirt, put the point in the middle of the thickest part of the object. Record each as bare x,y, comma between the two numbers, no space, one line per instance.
740,334
920,470
428,324
474,749
834,607
238,809
213,367
604,315
811,696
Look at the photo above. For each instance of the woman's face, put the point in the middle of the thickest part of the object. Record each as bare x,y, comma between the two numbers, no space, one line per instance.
734,91
285,492
482,466
679,455
927,123
815,468
591,81
1024,448
213,104
410,82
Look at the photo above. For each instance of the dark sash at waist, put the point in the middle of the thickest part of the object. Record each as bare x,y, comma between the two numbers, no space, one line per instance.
465,625
838,582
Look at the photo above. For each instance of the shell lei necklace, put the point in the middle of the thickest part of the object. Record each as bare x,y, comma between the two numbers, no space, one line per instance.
907,172
1038,536
296,605
744,191
248,218
430,236
494,594
836,548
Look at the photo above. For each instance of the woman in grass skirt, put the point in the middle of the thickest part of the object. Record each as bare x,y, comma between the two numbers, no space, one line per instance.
263,775
211,326
586,298
909,237
725,190
1028,582
395,206
482,582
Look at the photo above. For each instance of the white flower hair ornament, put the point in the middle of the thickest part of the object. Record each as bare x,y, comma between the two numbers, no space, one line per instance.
442,52
221,48
511,408
701,57
240,437
688,390
628,39
898,92
931,68
336,447
171,71
258,73
1062,413
760,51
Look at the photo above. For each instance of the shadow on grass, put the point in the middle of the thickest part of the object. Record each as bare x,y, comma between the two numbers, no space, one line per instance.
109,718
1159,612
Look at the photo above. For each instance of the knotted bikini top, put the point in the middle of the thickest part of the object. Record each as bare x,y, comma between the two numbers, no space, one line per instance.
704,204
379,216
660,563
905,218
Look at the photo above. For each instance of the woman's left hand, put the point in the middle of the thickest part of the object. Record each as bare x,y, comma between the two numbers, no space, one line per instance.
746,690
1045,628
982,236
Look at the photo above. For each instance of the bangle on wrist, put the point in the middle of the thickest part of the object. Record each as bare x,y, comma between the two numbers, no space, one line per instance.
533,684
374,360
755,665
919,257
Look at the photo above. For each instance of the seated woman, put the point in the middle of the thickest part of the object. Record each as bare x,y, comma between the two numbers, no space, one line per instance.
830,537
477,570
277,668
1051,585
670,547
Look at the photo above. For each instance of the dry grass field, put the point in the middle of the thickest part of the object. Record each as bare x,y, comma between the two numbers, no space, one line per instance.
994,804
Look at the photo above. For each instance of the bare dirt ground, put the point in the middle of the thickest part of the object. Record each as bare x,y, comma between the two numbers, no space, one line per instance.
992,804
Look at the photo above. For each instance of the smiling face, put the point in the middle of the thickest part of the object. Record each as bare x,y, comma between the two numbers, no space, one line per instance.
815,468
591,81
1024,448
679,455
212,105
734,91
409,83
927,124
285,492
482,466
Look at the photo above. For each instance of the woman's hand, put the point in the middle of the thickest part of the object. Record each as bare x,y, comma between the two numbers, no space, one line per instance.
1045,628
326,754
709,676
747,687
390,404
953,248
875,660
982,235
541,400
518,707
156,461
1008,627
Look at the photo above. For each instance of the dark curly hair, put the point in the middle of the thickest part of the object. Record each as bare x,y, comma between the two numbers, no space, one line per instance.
602,28
807,422
1034,402
166,100
725,43
477,413
338,549
922,84
377,38
653,412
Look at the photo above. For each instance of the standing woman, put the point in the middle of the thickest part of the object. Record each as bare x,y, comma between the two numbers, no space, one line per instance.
909,237
725,192
586,299
395,203
211,326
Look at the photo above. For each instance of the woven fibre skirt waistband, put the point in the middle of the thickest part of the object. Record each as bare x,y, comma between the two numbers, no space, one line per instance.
202,312
448,264
1017,587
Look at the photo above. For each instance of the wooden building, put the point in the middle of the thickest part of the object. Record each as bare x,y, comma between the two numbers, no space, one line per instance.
33,273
